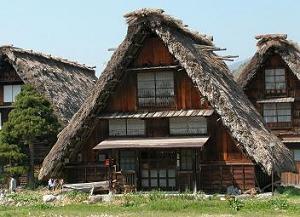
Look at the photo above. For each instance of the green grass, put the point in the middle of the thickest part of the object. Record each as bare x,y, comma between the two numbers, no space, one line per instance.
285,203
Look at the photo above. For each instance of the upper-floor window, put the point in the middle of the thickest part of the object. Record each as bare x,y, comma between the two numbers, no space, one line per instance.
155,89
277,112
10,92
275,80
188,126
126,127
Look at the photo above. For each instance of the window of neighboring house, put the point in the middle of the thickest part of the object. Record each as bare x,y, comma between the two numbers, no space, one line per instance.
297,154
126,127
277,112
155,89
188,126
10,92
275,79
127,160
186,160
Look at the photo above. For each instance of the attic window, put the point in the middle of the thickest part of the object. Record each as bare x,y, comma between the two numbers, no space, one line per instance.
277,112
275,80
155,89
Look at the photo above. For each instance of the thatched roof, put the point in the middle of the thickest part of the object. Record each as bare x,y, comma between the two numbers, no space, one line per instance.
209,73
64,83
267,45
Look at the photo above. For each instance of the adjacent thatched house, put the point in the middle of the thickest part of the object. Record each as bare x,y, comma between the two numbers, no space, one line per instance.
64,83
168,114
271,82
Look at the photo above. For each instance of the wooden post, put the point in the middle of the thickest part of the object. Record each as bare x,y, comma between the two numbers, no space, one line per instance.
272,182
194,173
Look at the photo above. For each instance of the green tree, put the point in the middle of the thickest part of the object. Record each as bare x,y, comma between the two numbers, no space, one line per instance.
31,122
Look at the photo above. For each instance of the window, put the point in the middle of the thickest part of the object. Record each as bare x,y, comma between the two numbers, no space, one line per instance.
297,154
275,79
155,89
101,157
277,112
126,127
186,160
127,160
10,92
188,126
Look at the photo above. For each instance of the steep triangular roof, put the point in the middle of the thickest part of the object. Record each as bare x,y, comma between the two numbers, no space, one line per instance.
64,83
210,75
268,45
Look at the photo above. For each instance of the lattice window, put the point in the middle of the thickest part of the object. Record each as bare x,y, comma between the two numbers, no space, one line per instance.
135,127
126,127
117,127
186,160
277,112
127,160
275,79
188,126
155,89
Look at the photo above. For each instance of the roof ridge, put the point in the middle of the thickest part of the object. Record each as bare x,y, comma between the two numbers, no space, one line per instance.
144,13
47,56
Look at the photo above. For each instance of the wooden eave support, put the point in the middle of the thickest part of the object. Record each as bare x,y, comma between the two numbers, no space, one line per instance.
228,57
208,48
153,68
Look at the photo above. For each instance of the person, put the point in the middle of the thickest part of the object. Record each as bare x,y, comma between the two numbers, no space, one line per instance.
12,185
50,184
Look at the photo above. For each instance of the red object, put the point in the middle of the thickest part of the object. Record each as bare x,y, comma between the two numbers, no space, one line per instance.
106,162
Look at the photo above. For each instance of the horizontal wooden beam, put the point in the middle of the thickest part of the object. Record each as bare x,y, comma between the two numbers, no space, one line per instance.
153,68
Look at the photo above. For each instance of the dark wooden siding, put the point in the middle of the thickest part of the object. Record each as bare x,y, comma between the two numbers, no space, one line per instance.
153,53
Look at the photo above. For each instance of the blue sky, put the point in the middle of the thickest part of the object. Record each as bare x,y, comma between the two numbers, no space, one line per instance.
84,30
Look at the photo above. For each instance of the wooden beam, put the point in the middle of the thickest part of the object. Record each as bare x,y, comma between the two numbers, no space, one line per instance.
153,68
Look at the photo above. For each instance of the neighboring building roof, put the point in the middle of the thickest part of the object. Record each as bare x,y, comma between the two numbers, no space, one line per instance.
64,83
268,45
210,75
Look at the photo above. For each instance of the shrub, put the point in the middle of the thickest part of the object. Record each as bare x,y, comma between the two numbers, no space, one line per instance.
156,195
235,204
279,203
290,191
131,200
77,196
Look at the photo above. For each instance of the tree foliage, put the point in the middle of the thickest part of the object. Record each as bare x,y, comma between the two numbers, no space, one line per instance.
32,121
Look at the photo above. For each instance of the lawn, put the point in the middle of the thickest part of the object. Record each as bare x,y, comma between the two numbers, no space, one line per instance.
285,203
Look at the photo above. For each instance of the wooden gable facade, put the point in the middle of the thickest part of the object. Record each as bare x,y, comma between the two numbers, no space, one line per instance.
274,90
10,86
212,165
